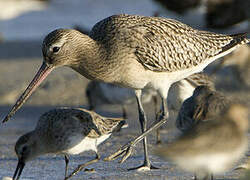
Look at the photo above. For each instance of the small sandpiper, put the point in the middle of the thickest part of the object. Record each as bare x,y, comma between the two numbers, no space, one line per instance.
135,52
212,146
205,103
65,131
182,90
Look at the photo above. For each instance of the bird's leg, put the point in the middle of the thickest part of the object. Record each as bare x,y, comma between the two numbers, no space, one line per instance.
81,166
124,112
143,122
161,116
66,158
164,112
155,105
158,138
195,177
158,135
126,150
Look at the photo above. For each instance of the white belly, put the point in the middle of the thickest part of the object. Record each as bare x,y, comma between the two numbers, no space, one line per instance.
214,163
87,144
178,93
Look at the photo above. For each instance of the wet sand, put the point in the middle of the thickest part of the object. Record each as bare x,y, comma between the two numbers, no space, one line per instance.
19,62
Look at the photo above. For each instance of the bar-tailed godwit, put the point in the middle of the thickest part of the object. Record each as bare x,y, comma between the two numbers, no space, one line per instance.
133,51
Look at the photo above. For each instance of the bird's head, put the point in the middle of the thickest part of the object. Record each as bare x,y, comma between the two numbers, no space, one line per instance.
26,149
59,49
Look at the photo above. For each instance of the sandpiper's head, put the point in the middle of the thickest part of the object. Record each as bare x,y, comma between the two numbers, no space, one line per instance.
203,91
26,150
58,50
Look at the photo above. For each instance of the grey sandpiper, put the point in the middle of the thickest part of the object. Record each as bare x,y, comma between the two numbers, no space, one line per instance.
182,90
205,103
133,51
65,131
213,146
99,93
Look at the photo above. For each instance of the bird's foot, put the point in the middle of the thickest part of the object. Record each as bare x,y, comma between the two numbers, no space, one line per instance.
78,169
161,115
144,167
124,152
91,170
81,166
158,142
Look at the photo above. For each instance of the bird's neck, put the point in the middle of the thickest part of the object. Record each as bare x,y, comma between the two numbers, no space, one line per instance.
92,61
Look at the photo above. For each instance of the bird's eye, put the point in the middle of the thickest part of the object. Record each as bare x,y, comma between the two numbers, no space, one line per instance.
56,49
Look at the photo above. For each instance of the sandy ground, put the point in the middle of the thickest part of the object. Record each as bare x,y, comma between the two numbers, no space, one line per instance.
19,62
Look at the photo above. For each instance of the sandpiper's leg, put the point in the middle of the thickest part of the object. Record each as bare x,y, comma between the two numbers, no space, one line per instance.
66,158
124,112
161,116
126,150
81,166
212,177
158,136
158,139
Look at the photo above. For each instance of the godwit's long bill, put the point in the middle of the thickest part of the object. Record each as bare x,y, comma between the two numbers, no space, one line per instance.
38,79
135,52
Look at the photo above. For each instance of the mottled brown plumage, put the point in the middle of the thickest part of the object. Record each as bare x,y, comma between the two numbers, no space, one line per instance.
162,44
91,124
200,79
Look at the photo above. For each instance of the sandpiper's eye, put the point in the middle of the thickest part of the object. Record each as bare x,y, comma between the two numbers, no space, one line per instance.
56,49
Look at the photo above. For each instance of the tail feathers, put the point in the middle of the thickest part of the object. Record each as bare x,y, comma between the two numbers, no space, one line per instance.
240,38
122,124
237,39
246,41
